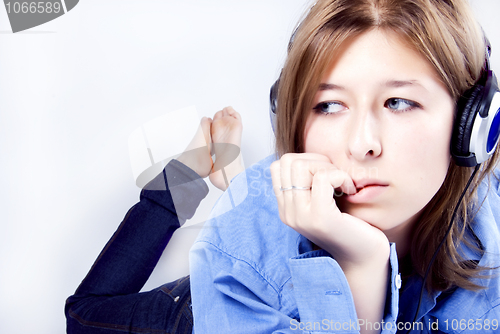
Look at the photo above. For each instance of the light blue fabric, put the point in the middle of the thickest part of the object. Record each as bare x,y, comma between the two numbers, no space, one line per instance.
250,273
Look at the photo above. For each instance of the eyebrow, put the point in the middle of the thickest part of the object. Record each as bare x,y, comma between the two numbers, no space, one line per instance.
390,83
401,83
328,86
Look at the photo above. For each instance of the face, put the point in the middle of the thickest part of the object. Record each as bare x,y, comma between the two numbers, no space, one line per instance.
382,115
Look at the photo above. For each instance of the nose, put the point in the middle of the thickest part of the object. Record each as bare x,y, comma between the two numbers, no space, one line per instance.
364,137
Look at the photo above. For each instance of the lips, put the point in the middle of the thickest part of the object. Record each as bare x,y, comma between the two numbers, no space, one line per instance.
367,190
363,183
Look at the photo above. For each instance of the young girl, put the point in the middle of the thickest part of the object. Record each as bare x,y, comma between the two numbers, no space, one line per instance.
337,234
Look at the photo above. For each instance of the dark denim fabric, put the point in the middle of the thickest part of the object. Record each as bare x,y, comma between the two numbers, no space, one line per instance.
108,299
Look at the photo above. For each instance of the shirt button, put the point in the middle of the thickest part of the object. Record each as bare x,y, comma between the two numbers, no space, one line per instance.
398,281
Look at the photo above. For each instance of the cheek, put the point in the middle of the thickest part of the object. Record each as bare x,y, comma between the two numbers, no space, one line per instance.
322,137
424,150
425,157
432,143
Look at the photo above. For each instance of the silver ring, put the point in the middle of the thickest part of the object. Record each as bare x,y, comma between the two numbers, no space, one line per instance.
301,188
296,188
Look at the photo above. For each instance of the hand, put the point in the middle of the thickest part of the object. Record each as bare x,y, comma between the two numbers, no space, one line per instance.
361,250
314,213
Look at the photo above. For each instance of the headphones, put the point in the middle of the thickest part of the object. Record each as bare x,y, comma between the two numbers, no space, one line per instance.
477,122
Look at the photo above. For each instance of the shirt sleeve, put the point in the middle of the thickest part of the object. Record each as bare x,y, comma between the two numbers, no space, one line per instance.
324,299
108,299
232,296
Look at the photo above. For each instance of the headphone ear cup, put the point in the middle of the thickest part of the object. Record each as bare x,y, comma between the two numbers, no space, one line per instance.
273,100
467,108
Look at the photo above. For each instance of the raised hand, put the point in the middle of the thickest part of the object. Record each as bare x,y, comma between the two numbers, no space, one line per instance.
314,213
306,186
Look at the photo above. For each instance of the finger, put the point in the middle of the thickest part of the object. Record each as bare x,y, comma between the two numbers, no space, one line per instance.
276,180
301,180
325,185
347,186
285,164
341,182
287,160
303,172
297,171
301,166
287,209
334,177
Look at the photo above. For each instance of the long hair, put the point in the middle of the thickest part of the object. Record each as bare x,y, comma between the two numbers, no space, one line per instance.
445,33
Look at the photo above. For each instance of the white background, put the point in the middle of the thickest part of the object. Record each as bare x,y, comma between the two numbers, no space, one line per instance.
71,92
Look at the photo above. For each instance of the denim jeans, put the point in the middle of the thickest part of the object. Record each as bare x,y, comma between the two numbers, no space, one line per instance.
108,299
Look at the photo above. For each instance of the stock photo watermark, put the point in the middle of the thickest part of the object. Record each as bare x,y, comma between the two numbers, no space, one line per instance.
474,325
25,15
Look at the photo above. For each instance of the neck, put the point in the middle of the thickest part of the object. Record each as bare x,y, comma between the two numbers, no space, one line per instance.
401,236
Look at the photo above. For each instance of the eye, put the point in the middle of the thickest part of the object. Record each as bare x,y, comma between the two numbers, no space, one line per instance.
328,108
401,105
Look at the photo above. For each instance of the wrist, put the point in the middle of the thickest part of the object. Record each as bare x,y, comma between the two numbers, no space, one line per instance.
368,262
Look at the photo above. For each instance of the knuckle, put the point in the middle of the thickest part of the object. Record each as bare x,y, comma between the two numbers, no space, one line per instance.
288,158
337,174
299,166
321,176
275,166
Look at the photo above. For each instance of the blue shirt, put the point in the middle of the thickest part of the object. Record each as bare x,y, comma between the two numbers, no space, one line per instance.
250,273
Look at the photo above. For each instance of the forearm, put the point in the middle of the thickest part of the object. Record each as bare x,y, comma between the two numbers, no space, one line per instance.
131,254
133,251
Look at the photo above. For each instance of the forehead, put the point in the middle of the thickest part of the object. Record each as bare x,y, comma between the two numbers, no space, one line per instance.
381,53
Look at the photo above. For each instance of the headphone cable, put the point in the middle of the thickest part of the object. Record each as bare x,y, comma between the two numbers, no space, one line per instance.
441,244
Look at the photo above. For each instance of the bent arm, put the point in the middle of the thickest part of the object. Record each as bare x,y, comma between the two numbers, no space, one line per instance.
108,297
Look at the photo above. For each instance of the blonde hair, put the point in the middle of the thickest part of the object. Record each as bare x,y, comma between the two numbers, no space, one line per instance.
445,33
